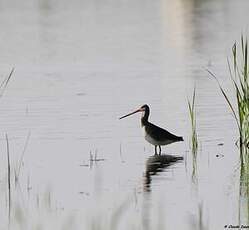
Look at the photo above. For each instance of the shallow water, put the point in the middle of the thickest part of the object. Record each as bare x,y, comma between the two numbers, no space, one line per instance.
80,65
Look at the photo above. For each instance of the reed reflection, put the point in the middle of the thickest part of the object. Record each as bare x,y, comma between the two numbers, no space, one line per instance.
244,191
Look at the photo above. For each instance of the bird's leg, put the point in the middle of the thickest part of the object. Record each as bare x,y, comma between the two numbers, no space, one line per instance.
159,150
155,149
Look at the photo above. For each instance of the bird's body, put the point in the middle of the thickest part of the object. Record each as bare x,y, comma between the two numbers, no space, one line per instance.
152,133
158,136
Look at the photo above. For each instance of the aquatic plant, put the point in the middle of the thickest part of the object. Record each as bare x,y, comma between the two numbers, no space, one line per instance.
8,176
239,76
194,137
239,73
192,115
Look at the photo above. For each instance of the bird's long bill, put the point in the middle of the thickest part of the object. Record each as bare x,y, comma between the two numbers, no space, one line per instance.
139,110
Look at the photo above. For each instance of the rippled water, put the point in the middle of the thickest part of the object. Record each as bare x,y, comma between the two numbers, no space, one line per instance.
79,65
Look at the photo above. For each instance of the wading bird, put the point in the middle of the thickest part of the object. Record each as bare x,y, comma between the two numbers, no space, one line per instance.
152,133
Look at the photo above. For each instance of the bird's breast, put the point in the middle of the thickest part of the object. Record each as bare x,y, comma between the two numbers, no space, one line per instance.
148,137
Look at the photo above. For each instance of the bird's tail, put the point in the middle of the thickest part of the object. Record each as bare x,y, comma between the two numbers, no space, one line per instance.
180,139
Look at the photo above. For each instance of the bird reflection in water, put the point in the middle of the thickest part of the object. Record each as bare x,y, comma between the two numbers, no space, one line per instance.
156,164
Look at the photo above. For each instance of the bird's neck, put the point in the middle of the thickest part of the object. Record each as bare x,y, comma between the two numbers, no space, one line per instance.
144,119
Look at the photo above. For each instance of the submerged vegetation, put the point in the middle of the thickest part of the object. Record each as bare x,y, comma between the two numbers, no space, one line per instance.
239,73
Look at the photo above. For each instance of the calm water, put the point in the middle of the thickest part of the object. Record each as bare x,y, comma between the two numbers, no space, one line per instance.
79,65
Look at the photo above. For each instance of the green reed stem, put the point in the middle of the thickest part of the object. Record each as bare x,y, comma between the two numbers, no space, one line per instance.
239,77
192,115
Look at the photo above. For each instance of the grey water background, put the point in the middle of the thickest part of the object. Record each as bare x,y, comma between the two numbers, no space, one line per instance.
79,65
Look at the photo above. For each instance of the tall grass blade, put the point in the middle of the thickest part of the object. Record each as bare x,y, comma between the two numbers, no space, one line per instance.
225,96
8,177
194,137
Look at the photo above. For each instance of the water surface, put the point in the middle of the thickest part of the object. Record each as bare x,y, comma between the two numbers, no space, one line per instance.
80,65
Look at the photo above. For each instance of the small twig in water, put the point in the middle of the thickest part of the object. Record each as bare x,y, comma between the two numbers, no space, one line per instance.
17,172
5,82
95,157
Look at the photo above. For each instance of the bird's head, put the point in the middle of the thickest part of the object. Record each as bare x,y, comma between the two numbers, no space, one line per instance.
145,109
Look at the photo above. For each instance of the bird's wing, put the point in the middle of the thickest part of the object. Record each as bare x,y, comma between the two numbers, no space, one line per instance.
159,133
